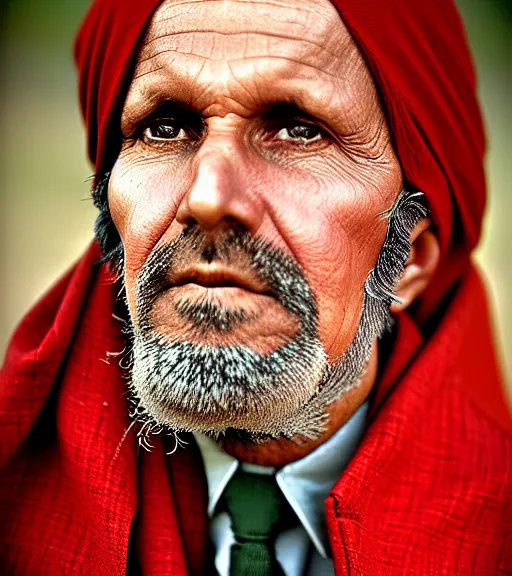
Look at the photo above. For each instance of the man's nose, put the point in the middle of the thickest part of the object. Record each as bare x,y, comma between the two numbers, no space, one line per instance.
220,196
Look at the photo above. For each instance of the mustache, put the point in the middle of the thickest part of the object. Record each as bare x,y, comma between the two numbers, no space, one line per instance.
280,274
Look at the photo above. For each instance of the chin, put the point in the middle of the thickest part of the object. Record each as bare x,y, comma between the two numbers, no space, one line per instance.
194,387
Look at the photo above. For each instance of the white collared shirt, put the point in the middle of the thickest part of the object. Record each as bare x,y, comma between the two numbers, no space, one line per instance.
305,484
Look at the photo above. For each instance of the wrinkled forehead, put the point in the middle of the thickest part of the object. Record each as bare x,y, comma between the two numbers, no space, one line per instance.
222,56
317,19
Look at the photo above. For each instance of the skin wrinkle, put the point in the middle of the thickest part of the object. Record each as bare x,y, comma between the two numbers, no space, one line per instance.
259,57
247,91
141,74
375,135
334,54
246,33
298,8
316,203
229,61
283,232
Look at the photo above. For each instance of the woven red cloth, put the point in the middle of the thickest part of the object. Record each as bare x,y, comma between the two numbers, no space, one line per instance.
429,489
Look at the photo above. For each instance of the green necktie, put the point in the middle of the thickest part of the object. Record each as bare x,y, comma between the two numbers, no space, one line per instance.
256,506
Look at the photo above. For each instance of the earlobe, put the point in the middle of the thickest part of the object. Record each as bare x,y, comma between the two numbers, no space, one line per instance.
419,267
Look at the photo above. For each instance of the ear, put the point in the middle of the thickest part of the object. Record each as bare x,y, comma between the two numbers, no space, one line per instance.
419,267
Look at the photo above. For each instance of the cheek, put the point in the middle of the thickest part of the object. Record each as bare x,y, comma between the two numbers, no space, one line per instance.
352,244
143,200
335,233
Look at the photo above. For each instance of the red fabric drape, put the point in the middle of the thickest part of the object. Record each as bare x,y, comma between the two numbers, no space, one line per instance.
428,492
70,486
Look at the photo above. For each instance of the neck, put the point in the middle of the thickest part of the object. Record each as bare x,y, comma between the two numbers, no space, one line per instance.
281,451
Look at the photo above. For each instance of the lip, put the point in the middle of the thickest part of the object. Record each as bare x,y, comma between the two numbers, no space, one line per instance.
218,276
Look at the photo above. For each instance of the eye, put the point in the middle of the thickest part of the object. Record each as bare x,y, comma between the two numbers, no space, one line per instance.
164,131
302,133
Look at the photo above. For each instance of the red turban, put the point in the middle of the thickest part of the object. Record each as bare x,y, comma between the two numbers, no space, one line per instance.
418,57
431,479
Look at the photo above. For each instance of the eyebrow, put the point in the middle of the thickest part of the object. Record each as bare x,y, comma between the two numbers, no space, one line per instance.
167,109
287,109
273,111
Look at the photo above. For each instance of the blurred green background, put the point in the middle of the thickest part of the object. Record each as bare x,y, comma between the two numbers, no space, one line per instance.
46,215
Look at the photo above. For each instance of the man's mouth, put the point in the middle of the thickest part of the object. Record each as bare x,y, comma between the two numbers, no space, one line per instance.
218,278
218,304
234,299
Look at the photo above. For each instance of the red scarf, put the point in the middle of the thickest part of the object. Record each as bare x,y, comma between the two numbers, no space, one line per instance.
428,491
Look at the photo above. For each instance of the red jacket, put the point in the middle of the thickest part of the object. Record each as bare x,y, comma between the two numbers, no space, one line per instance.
428,492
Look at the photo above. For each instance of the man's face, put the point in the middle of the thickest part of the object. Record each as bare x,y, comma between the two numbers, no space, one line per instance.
250,122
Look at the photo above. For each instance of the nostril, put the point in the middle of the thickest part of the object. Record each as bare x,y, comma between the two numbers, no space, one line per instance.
186,219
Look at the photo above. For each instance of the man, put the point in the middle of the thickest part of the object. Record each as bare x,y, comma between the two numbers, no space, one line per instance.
273,179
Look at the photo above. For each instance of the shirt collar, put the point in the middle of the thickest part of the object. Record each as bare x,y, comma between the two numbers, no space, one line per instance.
305,483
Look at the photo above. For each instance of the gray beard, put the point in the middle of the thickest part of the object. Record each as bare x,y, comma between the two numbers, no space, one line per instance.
186,386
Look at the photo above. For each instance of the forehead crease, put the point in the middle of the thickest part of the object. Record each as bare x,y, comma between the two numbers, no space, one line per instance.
236,46
243,34
253,79
198,35
299,11
231,18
